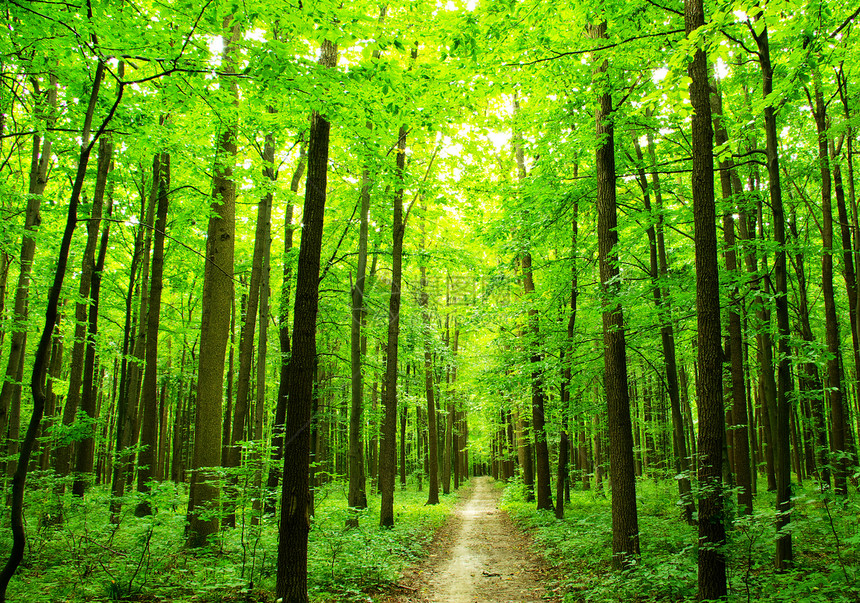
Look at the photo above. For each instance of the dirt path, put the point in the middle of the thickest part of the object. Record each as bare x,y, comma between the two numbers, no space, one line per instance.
478,557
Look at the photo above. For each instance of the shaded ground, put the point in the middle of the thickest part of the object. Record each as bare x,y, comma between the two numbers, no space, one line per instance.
479,556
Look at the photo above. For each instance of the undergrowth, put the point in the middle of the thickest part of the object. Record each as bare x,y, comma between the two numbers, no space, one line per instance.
75,554
824,529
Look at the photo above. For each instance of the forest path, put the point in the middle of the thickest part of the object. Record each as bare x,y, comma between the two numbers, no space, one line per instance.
479,556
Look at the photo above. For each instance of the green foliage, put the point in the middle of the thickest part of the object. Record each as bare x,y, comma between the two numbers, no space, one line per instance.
827,548
76,554
347,562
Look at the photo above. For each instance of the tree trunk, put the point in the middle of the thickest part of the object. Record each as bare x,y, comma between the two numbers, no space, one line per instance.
241,411
842,86
55,369
292,578
387,445
284,338
215,315
86,447
843,462
432,446
731,189
76,363
712,534
625,523
544,497
150,420
784,554
133,345
404,410
564,442
357,497
263,342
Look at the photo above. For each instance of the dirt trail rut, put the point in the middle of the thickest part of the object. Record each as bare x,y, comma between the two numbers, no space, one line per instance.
479,557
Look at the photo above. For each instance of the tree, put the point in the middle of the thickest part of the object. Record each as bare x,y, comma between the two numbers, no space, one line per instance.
781,434
284,334
429,386
544,498
659,270
387,435
834,362
625,522
730,187
150,422
358,347
564,443
215,313
86,447
712,533
292,585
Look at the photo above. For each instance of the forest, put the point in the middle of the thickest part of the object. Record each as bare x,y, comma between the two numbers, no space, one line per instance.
280,278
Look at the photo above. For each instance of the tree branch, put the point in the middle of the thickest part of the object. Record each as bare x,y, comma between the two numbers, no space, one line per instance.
559,55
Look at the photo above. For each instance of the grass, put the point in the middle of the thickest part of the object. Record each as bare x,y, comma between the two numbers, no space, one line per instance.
825,533
84,557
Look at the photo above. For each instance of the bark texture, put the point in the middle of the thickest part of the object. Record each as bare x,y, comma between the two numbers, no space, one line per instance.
712,534
292,562
625,521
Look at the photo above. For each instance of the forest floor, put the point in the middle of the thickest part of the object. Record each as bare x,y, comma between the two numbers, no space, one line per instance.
478,556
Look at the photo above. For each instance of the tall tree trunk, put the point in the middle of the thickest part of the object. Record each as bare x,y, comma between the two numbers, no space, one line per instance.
76,363
86,447
241,411
357,497
457,428
544,497
766,386
284,337
538,431
584,450
387,445
357,494
567,347
215,311
150,420
373,453
834,360
809,381
855,229
432,446
292,577
447,458
712,531
842,89
625,522
263,342
5,262
784,554
404,411
55,369
730,189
